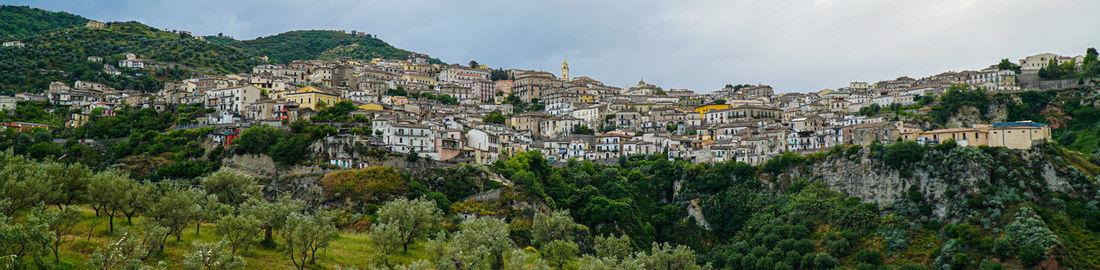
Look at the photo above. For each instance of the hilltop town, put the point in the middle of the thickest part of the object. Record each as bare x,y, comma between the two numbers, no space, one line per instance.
476,114
125,146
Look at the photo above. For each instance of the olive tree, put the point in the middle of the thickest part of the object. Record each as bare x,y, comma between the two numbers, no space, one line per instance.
108,192
231,188
176,208
554,226
386,238
59,223
304,235
238,230
559,251
272,216
616,248
479,244
206,256
519,259
413,218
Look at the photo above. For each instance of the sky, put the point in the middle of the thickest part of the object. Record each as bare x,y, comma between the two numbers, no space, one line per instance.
794,46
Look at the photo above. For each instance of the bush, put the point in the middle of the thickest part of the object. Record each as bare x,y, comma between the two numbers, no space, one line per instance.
990,265
869,256
1031,255
371,185
903,154
824,261
838,247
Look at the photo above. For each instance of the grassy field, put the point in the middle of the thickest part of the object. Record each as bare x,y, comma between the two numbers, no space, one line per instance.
349,249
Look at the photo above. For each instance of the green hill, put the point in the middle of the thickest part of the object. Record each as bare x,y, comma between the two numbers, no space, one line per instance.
322,44
61,55
20,21
58,46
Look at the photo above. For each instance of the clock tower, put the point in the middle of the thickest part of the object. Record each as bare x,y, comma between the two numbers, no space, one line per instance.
565,70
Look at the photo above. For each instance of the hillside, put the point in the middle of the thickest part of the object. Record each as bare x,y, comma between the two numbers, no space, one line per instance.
17,22
58,45
61,55
321,44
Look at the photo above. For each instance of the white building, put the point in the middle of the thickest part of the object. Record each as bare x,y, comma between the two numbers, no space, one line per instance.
230,102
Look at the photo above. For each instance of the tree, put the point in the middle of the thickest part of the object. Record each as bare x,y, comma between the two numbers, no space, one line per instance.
719,101
1005,64
206,256
386,238
519,259
613,247
554,226
176,208
413,218
494,117
231,188
560,251
126,253
291,150
666,257
69,183
412,156
479,244
825,261
138,199
304,235
23,241
474,64
59,223
209,209
903,154
1090,65
108,191
583,129
238,230
272,216
257,139
129,250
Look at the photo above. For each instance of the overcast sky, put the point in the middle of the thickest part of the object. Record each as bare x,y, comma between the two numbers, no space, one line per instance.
700,45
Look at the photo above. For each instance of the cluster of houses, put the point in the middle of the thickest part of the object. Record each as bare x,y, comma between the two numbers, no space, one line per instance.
580,118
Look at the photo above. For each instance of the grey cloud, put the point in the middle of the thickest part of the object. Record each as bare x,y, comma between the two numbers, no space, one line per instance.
695,44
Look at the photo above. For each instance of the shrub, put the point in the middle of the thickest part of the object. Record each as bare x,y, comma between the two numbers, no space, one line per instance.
1031,255
990,265
373,185
903,154
824,261
869,256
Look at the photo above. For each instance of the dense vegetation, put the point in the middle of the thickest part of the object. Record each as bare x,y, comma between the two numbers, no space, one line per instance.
19,22
58,46
62,55
1089,67
322,44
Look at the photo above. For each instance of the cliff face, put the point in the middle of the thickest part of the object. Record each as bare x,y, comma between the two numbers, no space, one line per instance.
947,179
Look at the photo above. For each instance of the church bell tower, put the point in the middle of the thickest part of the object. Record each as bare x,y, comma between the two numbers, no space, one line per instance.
565,70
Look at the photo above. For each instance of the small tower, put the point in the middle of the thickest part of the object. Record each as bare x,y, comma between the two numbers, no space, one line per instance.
565,70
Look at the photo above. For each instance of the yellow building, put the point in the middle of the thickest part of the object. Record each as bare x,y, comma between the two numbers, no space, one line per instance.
587,99
419,78
1012,135
709,108
311,97
371,107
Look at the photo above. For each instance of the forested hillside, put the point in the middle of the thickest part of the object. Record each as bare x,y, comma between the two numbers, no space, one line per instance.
58,46
62,55
321,44
17,22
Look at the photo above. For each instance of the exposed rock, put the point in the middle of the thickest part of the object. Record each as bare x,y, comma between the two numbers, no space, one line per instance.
945,180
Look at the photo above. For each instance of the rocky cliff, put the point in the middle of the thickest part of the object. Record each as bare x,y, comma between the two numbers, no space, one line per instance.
947,178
